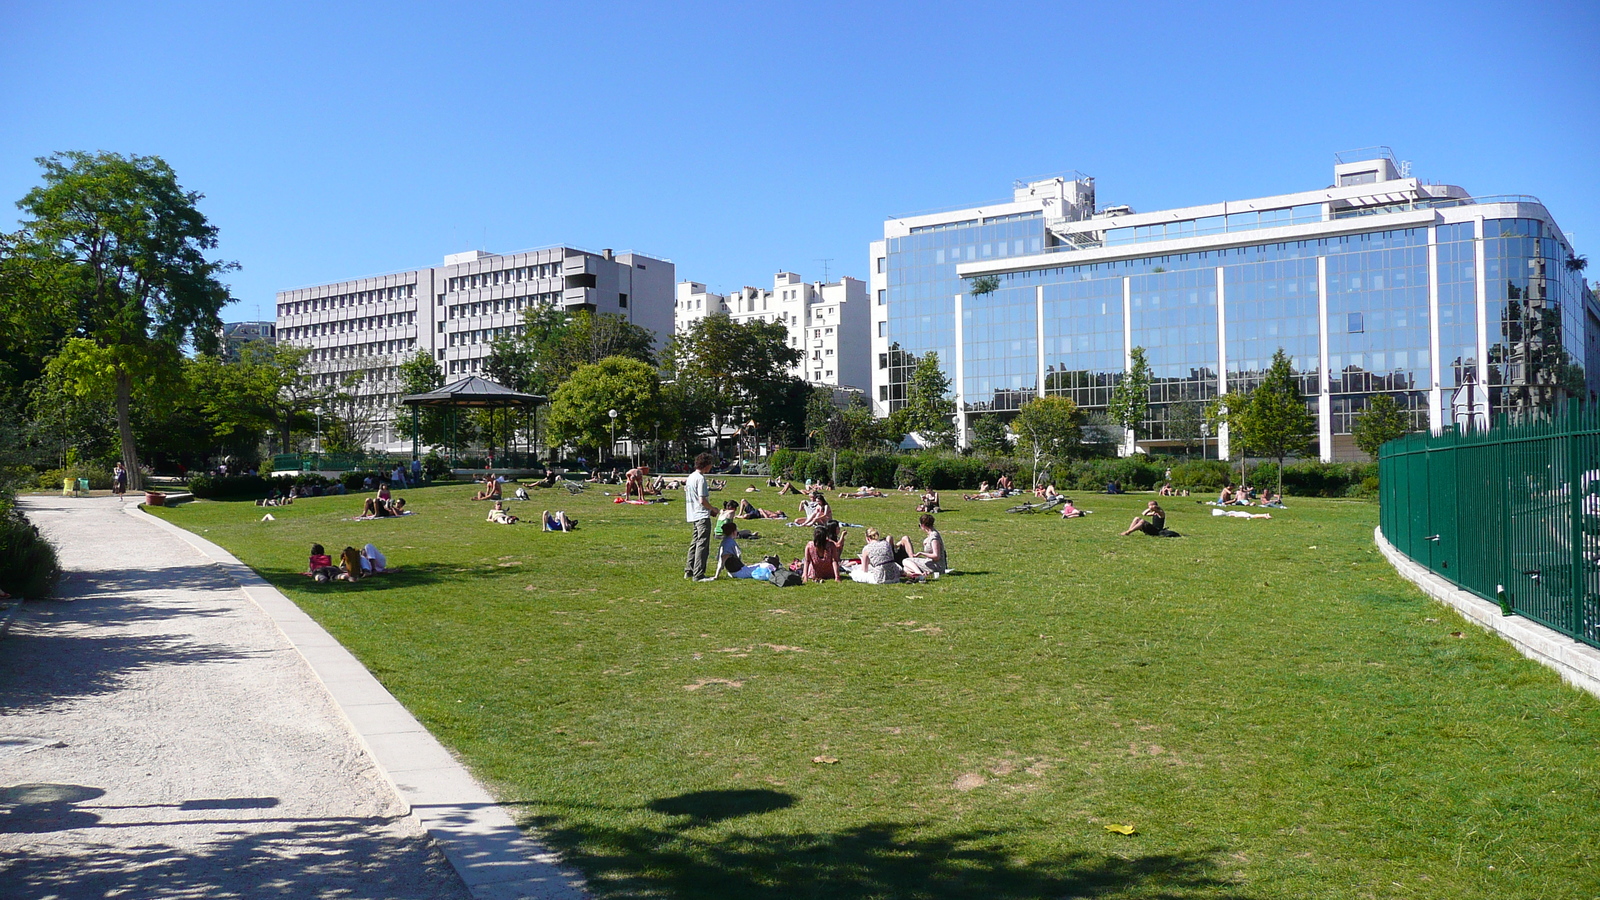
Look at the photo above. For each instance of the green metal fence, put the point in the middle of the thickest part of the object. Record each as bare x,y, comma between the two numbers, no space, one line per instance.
1511,514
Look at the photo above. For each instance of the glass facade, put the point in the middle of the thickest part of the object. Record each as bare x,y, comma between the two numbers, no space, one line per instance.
1375,287
922,285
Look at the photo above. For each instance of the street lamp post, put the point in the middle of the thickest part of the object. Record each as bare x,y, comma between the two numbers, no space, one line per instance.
1205,430
613,415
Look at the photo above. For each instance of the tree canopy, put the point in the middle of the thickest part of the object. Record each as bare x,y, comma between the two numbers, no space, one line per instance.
1130,399
928,409
115,255
555,342
1381,422
1274,420
742,369
579,409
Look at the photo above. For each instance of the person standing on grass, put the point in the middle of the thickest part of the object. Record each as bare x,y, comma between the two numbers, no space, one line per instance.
699,512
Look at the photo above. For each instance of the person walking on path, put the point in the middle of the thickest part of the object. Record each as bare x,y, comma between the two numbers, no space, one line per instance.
700,514
119,480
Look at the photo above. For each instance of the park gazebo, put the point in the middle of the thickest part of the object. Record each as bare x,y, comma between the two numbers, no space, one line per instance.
471,392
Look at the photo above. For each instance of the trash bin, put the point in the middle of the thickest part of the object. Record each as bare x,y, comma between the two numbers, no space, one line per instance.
69,486
83,486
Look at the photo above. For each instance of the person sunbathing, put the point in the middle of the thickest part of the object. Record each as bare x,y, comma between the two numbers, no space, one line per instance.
491,489
789,488
373,508
822,555
320,566
499,515
1072,512
930,502
558,521
862,492
748,510
1151,522
815,511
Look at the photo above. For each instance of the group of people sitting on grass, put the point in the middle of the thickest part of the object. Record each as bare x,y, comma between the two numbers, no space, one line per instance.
1245,495
274,498
353,564
384,505
880,561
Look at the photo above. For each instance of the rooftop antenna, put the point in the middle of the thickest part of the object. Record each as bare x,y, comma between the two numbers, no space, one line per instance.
825,262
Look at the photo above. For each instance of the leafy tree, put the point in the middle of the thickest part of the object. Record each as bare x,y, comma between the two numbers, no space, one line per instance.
928,409
989,434
985,284
579,408
1275,421
1184,419
744,369
1130,399
1381,422
1229,410
1051,428
820,408
117,252
555,342
419,374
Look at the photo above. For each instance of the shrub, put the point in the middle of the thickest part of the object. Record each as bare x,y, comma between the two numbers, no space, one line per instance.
228,487
28,566
1204,475
50,480
782,462
1135,473
356,480
434,466
905,475
1312,478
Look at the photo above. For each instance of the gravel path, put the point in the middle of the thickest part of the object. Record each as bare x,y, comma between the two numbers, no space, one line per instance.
160,737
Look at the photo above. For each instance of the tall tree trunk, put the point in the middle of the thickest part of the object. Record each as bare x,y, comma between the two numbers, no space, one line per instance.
130,454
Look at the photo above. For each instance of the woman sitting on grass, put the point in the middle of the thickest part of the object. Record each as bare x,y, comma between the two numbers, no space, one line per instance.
815,511
491,489
499,515
730,560
558,521
876,565
930,502
1151,522
822,554
929,562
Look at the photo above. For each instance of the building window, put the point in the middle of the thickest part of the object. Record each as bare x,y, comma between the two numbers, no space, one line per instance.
622,300
883,392
1355,325
883,329
883,296
883,360
882,264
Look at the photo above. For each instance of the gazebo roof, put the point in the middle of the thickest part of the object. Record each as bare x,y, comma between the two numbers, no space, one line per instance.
473,391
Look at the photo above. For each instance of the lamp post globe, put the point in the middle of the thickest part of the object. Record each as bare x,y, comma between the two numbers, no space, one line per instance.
613,414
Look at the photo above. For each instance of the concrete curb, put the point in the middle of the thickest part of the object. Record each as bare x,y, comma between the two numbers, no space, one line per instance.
1577,663
484,845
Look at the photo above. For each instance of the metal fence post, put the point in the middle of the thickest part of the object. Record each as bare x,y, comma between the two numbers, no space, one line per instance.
1575,469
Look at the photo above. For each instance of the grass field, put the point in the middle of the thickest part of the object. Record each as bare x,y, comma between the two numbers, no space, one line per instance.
1276,713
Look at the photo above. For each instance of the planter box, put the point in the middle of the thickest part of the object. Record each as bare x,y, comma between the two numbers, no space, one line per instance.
154,498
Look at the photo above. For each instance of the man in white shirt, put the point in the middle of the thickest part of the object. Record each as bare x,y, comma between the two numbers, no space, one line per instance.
697,509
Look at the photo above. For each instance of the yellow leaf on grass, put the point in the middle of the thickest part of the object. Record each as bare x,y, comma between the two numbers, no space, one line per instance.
1122,829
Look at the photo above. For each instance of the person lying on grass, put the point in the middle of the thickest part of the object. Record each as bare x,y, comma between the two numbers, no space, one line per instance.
321,566
748,510
1072,512
822,555
731,561
862,492
558,521
498,515
1151,522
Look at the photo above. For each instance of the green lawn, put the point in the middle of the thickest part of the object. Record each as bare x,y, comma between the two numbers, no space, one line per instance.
1266,702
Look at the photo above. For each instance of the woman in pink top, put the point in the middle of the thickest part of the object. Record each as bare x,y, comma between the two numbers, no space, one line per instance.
822,554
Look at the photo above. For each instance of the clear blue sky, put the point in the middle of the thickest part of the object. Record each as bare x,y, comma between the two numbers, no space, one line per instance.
334,140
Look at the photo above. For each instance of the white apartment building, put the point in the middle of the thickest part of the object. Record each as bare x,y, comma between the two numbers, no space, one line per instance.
361,330
827,321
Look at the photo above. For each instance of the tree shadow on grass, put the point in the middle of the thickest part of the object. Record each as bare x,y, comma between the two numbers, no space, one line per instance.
685,860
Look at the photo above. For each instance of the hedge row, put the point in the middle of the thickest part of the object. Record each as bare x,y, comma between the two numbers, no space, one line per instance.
950,471
28,566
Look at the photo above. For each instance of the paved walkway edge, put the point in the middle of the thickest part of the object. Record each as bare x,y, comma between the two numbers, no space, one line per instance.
1577,663
491,854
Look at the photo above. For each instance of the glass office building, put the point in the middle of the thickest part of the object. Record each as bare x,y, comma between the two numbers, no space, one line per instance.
1456,306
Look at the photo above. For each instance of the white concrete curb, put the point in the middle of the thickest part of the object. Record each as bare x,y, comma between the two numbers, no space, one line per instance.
495,859
1575,662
